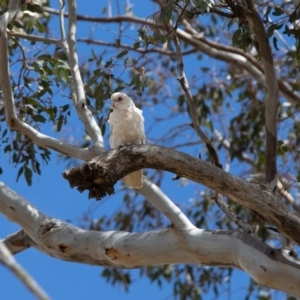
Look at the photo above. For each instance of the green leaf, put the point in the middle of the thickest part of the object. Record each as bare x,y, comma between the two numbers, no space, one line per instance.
40,26
44,57
18,24
271,29
236,37
196,3
59,123
202,5
97,71
136,45
268,10
94,55
37,167
159,37
278,11
64,108
7,148
108,63
4,133
121,54
103,128
28,175
92,80
275,43
35,8
280,142
39,118
166,12
294,16
19,173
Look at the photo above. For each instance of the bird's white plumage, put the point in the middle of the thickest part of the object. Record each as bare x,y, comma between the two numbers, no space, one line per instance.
126,127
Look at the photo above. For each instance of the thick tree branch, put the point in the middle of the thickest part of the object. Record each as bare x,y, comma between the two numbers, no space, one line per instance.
84,113
265,265
101,173
4,65
18,242
8,260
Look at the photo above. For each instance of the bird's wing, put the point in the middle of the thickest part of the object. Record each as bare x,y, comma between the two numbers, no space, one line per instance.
111,136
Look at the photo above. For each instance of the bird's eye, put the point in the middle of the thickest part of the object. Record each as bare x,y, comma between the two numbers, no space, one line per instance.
120,99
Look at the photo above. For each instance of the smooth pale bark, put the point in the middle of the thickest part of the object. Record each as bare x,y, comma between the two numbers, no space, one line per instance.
264,264
9,261
78,93
101,173
272,101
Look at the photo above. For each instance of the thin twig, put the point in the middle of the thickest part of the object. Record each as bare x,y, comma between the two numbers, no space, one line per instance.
287,196
232,216
185,87
154,49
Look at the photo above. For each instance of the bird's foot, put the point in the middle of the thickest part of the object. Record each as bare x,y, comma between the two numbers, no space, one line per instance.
124,145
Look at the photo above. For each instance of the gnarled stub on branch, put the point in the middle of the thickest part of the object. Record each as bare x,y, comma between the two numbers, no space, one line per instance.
100,174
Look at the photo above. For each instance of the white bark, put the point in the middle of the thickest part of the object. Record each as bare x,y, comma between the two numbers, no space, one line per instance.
154,195
188,245
8,260
78,94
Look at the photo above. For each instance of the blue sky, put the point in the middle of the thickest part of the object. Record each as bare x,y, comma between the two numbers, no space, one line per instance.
52,195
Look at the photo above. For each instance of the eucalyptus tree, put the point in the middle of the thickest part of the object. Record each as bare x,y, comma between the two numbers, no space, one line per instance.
219,83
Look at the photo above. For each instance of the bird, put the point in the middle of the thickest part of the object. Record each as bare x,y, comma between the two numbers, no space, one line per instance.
126,127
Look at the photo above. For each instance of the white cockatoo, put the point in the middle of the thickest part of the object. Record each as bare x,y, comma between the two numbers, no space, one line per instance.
126,127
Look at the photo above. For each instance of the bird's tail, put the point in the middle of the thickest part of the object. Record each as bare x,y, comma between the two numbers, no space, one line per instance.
134,180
